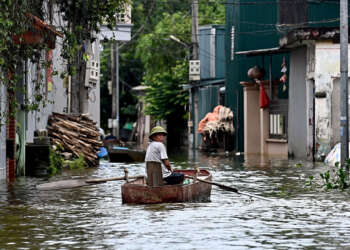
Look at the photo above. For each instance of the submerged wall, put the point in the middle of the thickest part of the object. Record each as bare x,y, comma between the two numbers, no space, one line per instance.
327,89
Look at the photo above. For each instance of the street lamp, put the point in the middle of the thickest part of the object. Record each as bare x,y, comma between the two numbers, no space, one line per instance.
174,38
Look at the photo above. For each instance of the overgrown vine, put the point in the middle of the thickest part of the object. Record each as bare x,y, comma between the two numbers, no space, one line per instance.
80,21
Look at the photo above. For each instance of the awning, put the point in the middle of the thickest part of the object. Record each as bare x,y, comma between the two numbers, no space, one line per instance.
262,52
211,82
204,83
41,25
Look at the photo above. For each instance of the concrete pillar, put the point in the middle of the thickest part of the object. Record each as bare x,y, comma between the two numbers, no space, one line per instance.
264,130
252,131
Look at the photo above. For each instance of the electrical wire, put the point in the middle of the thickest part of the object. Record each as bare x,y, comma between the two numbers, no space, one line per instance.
253,32
239,3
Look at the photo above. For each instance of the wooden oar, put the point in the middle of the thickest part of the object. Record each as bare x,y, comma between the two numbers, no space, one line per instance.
64,184
228,188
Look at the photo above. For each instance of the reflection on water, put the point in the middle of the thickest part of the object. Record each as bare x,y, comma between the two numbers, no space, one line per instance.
94,217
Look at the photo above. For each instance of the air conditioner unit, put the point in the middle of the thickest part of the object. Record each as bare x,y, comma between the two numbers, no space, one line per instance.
92,73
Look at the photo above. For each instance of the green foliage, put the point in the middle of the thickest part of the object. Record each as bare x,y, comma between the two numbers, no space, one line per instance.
56,161
78,163
310,181
299,165
165,61
128,107
165,96
83,18
337,178
14,22
211,13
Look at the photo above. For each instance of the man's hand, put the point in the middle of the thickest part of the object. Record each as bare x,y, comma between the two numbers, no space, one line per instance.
167,165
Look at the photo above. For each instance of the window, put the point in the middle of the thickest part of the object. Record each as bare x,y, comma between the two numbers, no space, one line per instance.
278,126
278,119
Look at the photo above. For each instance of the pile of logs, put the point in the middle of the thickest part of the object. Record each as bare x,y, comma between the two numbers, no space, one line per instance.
77,134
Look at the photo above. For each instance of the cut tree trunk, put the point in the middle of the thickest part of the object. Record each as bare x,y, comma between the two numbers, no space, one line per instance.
77,134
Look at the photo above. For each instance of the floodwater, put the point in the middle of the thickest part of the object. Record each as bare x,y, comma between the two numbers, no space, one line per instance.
93,217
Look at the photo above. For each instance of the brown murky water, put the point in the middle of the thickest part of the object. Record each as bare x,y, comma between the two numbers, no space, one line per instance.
93,217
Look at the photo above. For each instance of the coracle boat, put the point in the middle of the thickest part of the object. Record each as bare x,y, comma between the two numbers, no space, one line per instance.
122,154
138,192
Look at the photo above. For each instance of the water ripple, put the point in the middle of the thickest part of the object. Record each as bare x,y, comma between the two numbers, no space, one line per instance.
93,217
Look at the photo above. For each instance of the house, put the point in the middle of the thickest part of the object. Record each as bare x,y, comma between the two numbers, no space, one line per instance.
12,154
19,132
315,72
286,127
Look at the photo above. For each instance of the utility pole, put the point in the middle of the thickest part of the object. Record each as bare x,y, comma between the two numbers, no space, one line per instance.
193,100
115,88
194,29
344,126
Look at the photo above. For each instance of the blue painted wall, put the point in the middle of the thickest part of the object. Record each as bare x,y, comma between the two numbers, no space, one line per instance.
204,51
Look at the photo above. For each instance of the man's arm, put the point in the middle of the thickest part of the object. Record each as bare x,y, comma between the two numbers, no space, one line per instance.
167,164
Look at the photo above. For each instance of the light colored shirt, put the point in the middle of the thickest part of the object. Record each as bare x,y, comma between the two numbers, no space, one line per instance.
156,151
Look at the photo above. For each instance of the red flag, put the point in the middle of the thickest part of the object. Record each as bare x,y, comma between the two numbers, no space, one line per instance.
264,99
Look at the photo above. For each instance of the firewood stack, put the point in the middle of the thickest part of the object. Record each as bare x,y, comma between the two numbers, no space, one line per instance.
77,134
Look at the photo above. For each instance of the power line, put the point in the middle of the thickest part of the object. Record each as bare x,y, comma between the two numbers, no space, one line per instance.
259,2
253,32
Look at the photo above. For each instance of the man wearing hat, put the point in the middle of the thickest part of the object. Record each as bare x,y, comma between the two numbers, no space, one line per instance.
156,155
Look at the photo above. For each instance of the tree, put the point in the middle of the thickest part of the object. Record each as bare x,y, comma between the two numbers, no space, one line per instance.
166,62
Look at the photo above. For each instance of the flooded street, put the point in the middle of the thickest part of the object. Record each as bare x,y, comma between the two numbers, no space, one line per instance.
93,217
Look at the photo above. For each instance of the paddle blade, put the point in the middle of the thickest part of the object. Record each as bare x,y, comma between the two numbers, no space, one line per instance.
64,184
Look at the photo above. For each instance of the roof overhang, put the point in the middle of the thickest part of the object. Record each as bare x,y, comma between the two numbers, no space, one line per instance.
205,83
297,38
262,52
300,36
42,26
39,33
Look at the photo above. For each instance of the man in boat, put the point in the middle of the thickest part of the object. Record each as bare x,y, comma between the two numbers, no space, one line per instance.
156,155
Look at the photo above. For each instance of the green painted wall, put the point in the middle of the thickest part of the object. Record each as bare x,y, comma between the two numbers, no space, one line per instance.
20,142
253,30
254,23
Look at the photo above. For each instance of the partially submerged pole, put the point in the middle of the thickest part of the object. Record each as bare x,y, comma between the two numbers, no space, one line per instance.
115,89
344,127
194,89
